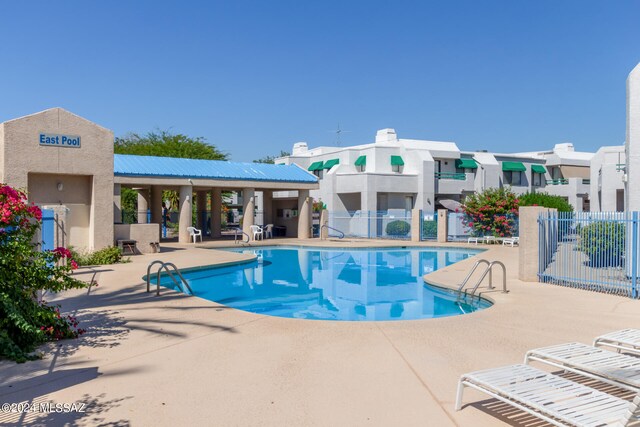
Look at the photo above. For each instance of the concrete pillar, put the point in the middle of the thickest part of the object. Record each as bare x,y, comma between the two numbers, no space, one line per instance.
304,214
416,232
248,209
632,143
156,207
443,225
186,196
324,220
216,212
201,211
117,204
267,207
529,242
143,205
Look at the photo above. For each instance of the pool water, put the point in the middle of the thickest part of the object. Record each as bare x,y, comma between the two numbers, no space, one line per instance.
347,284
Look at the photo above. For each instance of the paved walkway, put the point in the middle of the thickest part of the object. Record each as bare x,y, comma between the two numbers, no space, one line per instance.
179,360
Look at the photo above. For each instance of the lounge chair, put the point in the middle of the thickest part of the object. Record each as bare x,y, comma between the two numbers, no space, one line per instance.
612,368
510,241
626,339
551,398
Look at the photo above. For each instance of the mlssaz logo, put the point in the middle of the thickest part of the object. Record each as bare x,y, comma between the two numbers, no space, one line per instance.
53,140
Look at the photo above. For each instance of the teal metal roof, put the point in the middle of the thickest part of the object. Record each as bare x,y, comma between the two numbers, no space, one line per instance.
151,166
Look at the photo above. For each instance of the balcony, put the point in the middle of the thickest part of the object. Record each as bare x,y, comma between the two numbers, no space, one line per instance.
453,183
561,181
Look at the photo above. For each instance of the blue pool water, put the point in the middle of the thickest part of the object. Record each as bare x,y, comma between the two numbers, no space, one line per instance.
335,284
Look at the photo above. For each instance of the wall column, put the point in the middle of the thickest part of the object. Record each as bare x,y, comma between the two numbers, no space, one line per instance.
117,204
443,225
143,205
267,207
416,221
304,214
248,210
201,211
632,144
216,212
186,196
529,251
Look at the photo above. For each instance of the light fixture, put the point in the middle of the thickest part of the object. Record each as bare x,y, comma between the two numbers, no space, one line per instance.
60,186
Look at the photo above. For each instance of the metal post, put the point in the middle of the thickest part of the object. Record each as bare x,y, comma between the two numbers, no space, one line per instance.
634,256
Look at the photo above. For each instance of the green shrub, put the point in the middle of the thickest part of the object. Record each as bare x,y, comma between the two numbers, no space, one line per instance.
429,229
105,256
604,243
398,228
545,200
26,272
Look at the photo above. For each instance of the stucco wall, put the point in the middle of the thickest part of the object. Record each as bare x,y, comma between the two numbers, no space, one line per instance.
23,155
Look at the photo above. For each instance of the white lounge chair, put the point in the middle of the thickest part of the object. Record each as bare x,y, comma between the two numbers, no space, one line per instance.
194,233
257,232
551,398
592,362
626,339
268,231
510,241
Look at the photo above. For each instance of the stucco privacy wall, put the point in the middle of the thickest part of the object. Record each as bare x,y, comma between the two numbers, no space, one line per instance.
25,160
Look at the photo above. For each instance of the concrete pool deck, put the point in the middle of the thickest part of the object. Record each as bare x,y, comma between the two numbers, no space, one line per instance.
181,360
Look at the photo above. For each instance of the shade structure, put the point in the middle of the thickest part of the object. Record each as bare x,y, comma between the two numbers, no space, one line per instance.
361,161
397,161
315,166
538,169
331,163
452,205
466,164
513,167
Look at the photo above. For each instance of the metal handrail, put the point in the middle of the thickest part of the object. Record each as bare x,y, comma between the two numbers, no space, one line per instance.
235,236
331,228
183,282
488,270
475,266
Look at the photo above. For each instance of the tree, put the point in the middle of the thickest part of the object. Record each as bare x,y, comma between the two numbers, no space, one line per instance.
492,212
271,159
163,143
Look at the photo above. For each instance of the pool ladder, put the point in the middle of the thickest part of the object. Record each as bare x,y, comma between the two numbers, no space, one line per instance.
168,267
488,270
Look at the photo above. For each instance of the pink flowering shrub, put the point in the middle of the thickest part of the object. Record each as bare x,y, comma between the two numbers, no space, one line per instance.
493,212
25,272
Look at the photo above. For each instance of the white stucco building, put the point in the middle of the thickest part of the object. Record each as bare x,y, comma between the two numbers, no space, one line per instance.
397,173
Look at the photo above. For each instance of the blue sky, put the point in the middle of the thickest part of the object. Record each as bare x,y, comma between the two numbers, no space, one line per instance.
255,77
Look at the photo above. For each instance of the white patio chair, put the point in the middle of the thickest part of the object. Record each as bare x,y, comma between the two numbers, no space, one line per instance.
551,398
257,232
268,231
626,339
194,233
473,240
596,363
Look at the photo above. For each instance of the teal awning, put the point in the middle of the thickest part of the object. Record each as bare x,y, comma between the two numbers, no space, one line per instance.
362,160
315,166
538,169
466,164
397,161
513,167
331,163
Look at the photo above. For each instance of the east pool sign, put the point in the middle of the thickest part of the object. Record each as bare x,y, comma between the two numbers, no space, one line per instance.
72,141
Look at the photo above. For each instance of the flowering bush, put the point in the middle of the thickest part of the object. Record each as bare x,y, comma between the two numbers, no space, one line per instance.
25,272
493,212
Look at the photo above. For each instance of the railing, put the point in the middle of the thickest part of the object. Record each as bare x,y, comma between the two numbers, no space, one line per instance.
341,236
596,251
165,265
586,181
621,167
450,175
239,232
561,181
389,224
488,270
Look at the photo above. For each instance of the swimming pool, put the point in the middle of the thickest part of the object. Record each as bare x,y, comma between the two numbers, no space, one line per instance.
348,284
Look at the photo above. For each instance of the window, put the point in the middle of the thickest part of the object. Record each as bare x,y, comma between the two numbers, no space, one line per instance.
361,168
537,179
318,173
513,177
396,168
